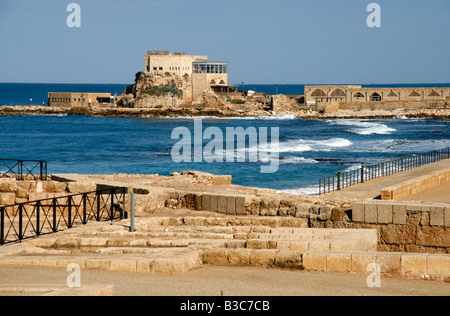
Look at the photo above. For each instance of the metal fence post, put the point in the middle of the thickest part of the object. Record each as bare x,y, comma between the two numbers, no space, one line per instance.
339,180
84,209
362,173
38,218
112,205
2,225
69,202
54,215
132,212
20,222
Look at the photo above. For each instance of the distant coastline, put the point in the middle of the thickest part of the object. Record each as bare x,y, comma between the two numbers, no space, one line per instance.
441,114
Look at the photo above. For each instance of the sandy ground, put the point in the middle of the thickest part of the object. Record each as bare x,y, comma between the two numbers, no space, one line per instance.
232,281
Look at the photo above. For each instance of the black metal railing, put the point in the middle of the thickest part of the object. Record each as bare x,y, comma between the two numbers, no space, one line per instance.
23,169
34,219
367,173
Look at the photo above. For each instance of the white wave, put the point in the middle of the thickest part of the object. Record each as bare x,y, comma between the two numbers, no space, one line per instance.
303,145
335,142
297,161
309,190
364,127
274,117
352,168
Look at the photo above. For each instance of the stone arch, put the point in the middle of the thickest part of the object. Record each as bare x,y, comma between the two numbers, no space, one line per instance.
414,94
318,93
359,95
434,94
392,94
222,82
375,97
338,93
213,82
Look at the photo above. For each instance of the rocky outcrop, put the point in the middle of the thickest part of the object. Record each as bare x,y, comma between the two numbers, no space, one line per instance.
157,90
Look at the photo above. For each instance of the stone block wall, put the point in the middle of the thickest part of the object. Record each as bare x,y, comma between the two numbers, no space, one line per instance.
416,185
406,227
15,192
401,227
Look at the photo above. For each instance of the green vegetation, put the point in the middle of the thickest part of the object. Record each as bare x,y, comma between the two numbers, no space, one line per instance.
237,101
163,90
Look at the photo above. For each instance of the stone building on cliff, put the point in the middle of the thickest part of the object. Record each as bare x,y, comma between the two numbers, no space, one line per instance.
178,80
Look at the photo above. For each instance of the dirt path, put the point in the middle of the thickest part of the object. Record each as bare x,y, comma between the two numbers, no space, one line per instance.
231,281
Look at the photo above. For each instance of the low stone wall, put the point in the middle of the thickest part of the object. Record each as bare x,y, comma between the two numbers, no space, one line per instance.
401,227
416,185
15,192
406,227
387,105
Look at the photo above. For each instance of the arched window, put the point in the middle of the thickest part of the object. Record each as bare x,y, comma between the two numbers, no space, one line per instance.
414,94
338,93
375,97
392,94
222,82
213,82
359,95
318,94
434,94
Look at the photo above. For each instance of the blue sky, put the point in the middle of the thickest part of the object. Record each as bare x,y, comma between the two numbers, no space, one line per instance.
264,41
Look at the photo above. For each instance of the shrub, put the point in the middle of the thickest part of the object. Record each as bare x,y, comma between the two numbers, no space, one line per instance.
162,90
237,101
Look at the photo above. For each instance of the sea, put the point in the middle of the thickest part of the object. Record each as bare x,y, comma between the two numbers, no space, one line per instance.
308,149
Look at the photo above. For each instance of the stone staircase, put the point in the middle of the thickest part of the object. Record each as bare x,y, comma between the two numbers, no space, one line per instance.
173,245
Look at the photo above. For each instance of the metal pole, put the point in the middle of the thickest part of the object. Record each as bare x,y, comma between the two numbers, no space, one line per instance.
112,205
339,180
54,215
38,218
70,213
2,226
84,209
362,173
20,222
132,212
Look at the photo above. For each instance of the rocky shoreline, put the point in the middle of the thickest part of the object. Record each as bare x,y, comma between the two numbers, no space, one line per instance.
441,114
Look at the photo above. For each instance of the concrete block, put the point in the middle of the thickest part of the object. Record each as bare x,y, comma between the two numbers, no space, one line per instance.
361,260
300,246
371,213
143,265
399,214
319,245
257,244
7,199
239,256
214,203
390,263
414,264
288,259
342,245
437,216
206,202
315,261
438,265
385,213
216,256
222,204
97,264
231,205
339,262
123,265
358,213
240,205
447,217
263,257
